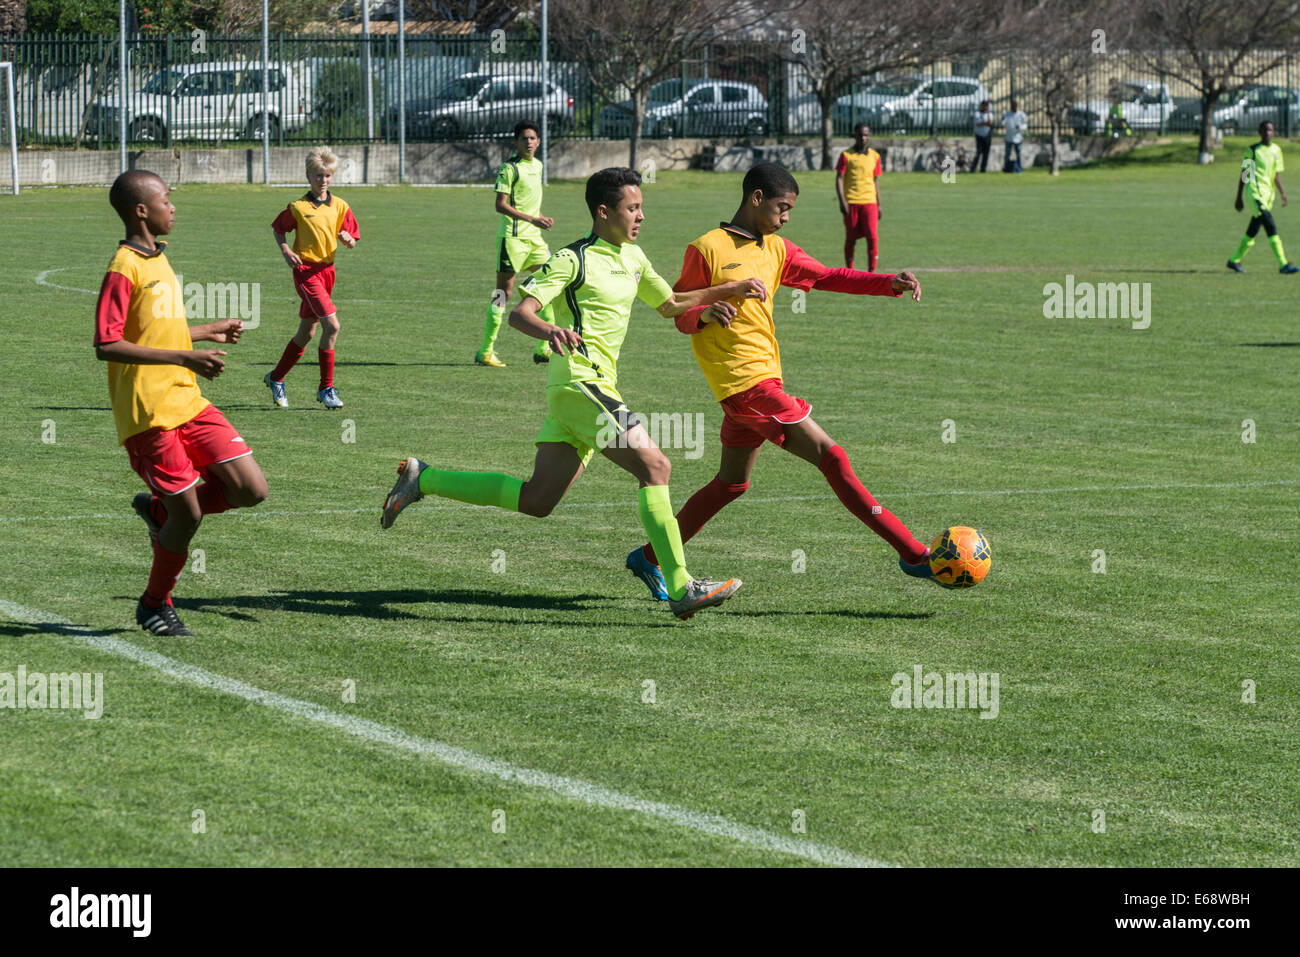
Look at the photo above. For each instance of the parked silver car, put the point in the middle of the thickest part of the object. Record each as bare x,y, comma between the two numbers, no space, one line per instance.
905,103
478,104
706,108
1147,106
207,101
1243,109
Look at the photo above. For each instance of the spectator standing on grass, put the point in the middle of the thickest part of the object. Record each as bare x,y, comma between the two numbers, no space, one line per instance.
1014,123
983,120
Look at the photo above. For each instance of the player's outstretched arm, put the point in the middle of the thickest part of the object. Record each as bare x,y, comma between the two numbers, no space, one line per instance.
223,330
682,301
205,362
525,318
1277,181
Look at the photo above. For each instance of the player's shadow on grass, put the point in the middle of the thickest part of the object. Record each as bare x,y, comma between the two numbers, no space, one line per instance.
73,408
1270,345
23,629
378,605
841,613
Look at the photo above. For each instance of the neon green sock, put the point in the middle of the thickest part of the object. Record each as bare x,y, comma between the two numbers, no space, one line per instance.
495,314
1276,243
474,488
666,538
1245,244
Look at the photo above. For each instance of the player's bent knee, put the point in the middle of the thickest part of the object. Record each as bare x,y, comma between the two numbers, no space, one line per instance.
537,504
658,470
246,496
184,514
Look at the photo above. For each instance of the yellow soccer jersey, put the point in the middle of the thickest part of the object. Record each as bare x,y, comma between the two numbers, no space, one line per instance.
316,226
140,302
739,356
859,171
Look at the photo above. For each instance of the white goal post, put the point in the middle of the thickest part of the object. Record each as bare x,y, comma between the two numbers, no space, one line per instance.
10,129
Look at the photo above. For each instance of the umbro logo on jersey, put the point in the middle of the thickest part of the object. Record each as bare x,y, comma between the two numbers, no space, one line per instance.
731,266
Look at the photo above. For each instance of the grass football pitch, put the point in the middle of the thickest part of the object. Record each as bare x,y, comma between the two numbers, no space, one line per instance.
473,687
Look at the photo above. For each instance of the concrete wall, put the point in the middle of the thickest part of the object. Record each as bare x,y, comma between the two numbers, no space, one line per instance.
476,161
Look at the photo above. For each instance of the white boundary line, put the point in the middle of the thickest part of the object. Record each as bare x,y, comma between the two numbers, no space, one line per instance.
572,788
271,513
42,281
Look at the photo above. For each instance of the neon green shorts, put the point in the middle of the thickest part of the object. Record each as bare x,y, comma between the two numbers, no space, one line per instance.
516,254
586,415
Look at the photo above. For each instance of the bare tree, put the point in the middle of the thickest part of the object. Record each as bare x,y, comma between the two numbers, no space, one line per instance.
1062,39
838,41
1216,45
630,45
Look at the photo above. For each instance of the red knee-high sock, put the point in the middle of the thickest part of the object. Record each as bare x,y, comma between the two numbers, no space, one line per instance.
326,368
167,568
848,252
288,359
839,473
873,255
158,510
212,497
699,508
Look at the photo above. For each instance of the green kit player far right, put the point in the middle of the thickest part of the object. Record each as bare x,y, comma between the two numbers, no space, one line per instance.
594,283
519,245
1259,183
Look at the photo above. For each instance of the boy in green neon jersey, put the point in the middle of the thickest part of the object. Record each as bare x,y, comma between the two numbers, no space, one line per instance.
520,246
595,281
1260,182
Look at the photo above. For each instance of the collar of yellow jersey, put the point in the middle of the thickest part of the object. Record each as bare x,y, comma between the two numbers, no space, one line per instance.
740,231
328,200
147,253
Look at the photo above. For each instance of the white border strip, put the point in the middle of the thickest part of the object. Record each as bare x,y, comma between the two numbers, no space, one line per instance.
583,792
271,513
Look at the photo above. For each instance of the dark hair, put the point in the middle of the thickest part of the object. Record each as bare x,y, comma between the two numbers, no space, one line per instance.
131,188
860,125
526,125
773,180
1266,123
606,187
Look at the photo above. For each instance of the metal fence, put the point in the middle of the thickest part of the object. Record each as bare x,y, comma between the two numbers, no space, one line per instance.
209,91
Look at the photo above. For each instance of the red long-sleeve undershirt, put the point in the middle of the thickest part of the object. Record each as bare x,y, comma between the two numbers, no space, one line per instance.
801,272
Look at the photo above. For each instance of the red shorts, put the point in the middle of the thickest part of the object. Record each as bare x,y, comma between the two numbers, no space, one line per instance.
315,282
172,460
760,414
860,221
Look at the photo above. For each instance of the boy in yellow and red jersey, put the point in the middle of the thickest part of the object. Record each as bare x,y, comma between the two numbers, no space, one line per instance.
737,351
857,184
319,222
175,437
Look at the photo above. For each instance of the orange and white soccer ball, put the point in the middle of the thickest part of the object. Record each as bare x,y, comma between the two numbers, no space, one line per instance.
960,557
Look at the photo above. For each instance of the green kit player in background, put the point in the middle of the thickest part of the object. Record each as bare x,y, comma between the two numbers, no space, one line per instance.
1259,182
520,246
595,281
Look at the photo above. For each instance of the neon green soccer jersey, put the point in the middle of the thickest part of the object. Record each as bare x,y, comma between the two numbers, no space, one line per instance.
1259,165
593,284
522,180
